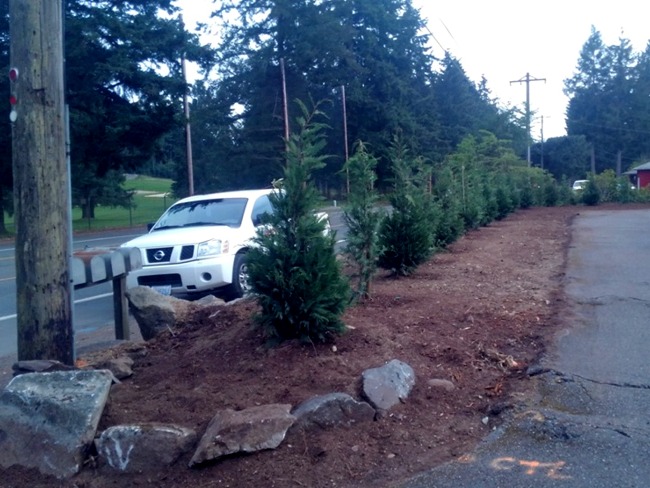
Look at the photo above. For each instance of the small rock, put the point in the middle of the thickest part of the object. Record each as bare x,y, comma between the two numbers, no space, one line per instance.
388,385
39,366
332,410
120,366
440,383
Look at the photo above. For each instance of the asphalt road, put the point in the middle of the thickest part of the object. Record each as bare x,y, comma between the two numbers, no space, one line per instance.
590,425
93,306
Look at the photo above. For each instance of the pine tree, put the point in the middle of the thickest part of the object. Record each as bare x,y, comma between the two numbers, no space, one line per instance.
293,268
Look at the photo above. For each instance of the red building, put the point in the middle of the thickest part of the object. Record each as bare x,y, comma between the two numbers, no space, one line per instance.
640,175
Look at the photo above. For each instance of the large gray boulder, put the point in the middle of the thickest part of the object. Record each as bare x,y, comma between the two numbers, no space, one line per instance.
249,430
48,420
388,385
143,447
332,410
156,313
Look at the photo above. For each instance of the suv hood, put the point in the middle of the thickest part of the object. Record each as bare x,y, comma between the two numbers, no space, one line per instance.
184,236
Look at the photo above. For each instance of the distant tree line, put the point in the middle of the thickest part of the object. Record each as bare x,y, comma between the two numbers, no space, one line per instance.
124,87
608,116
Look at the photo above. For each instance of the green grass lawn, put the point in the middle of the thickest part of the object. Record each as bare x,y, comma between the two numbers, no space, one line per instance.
151,198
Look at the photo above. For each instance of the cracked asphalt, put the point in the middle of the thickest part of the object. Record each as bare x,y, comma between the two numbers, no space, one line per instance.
589,425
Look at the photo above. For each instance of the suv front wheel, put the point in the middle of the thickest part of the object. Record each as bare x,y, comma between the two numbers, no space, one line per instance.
239,286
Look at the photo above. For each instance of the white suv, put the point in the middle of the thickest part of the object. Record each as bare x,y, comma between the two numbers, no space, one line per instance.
199,244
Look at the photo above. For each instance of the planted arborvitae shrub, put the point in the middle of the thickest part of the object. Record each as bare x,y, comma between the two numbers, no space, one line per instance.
591,193
504,204
625,192
526,196
514,195
450,223
449,209
551,195
293,269
406,234
473,211
566,196
491,208
362,218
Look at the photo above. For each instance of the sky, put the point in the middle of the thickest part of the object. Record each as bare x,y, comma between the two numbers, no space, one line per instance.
506,40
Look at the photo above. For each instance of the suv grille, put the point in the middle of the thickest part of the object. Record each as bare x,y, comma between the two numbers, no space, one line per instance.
187,253
159,255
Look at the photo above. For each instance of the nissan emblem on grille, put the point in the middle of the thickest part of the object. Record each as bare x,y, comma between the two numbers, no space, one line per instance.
159,255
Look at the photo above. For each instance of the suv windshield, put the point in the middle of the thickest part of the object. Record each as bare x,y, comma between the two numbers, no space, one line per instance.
222,211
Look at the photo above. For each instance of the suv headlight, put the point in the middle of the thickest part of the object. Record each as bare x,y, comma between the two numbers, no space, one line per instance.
213,247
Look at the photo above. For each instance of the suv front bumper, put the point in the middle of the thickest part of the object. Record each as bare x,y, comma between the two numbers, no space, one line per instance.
188,277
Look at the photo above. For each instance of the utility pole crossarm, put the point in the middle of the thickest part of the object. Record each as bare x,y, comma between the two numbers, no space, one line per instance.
528,79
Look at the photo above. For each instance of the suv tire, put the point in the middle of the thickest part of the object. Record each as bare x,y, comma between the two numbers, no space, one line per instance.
239,286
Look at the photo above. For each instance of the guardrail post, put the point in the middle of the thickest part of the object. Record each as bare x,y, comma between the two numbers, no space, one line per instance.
121,308
93,267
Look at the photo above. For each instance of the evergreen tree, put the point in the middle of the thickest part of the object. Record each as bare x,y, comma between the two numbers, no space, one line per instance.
606,105
639,118
362,218
217,163
468,174
459,102
372,48
293,268
450,221
124,87
407,233
566,157
585,89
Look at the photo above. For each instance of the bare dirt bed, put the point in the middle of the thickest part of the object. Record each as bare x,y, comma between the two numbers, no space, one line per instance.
477,315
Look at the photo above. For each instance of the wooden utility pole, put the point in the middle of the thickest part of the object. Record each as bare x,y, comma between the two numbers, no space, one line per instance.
542,146
345,141
188,128
285,104
41,196
188,131
527,79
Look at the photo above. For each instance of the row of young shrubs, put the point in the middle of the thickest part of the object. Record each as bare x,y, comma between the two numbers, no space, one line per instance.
294,272
606,187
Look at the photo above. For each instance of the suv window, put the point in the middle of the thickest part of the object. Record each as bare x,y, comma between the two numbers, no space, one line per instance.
262,206
222,211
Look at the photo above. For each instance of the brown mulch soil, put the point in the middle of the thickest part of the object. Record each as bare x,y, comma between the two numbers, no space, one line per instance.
477,314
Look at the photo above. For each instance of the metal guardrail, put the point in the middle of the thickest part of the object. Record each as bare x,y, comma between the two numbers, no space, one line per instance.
95,266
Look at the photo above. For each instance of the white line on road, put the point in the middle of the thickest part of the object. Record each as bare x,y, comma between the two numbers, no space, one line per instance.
96,297
113,238
81,300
